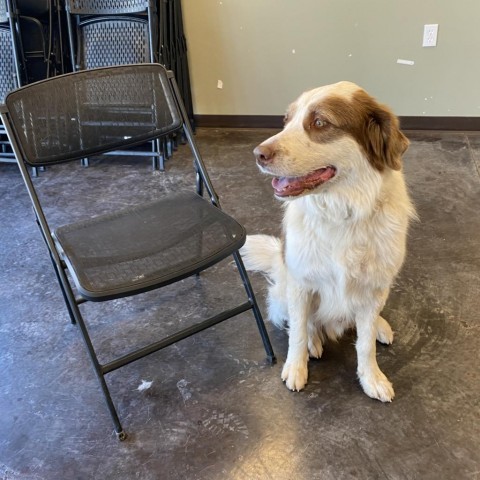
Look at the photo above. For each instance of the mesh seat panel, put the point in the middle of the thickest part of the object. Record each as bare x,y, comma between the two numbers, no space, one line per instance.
8,76
92,112
147,246
106,7
118,41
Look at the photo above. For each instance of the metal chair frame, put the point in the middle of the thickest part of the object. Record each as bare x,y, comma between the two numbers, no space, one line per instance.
24,144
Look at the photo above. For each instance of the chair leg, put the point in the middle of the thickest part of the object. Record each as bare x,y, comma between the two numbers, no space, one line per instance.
199,183
256,310
121,435
64,293
73,307
169,147
70,313
158,160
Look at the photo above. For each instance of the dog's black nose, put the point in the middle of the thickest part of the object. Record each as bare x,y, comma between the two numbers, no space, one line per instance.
263,154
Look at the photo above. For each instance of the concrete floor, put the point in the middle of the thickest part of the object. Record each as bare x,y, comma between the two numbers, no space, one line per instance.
215,408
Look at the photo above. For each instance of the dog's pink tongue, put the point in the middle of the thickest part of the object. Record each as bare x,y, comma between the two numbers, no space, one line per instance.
287,186
292,186
281,183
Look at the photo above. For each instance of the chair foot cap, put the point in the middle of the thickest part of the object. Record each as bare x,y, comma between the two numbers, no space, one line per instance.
272,360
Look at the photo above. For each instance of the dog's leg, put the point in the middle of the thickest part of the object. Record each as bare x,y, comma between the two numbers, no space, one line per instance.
315,329
384,331
374,383
295,370
315,343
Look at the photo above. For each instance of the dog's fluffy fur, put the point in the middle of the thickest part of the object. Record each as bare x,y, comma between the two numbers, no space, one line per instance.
337,165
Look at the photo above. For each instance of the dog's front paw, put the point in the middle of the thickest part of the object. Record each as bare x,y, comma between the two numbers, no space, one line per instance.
376,385
295,375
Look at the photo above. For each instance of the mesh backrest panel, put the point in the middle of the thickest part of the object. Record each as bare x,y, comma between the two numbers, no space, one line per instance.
3,12
113,42
105,7
8,76
93,111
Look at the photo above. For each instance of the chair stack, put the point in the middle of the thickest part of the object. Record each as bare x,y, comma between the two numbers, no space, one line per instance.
44,38
9,72
173,49
31,49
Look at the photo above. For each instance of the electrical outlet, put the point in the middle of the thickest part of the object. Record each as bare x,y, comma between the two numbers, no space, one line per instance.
430,33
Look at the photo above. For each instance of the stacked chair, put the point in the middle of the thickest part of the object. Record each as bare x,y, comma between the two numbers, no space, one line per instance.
51,37
9,71
31,49
173,48
114,32
33,18
143,247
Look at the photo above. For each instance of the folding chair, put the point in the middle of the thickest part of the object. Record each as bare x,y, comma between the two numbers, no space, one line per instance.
9,72
114,32
140,248
24,56
8,81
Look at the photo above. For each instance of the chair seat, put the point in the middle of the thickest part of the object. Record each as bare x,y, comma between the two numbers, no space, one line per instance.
147,246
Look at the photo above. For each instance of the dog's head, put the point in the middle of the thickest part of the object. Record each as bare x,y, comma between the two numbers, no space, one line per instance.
330,133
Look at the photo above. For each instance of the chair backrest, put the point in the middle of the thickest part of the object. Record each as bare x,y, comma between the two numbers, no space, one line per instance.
106,7
8,72
34,8
106,41
86,113
3,11
99,35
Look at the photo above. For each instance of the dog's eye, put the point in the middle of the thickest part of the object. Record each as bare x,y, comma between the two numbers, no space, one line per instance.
319,123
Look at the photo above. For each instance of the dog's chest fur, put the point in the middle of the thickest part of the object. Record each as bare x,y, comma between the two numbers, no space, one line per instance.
342,258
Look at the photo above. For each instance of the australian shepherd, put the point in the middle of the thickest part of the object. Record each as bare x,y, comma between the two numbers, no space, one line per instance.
337,166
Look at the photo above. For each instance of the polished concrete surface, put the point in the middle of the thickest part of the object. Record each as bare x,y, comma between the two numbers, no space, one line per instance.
215,409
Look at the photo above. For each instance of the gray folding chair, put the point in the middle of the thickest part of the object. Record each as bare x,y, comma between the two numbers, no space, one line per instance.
9,79
13,62
137,249
114,32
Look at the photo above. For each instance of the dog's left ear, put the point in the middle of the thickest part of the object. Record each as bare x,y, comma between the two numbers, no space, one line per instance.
385,142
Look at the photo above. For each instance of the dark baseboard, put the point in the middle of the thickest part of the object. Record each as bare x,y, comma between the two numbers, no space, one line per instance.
440,123
239,121
276,121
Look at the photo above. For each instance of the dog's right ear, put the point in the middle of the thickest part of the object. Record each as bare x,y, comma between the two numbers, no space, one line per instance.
383,140
387,142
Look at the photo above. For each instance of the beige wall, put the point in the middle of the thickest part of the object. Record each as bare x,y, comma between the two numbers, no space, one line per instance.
268,51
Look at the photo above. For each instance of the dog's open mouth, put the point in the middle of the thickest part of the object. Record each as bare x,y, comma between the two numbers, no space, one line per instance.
294,186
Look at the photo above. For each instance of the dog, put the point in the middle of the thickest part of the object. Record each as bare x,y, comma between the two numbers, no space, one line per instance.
337,166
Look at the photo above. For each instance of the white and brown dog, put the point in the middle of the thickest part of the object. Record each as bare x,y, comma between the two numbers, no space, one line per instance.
337,165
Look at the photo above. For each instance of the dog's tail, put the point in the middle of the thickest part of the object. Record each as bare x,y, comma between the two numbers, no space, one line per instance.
263,253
